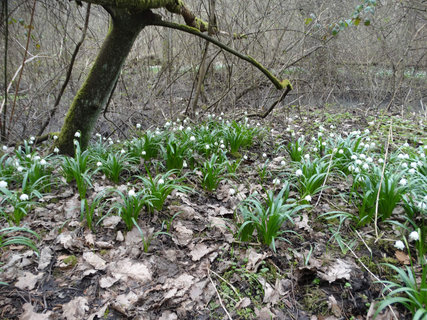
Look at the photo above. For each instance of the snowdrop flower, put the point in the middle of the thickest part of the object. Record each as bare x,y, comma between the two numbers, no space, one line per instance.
264,155
404,165
30,142
366,131
293,134
161,181
245,157
331,126
28,156
118,141
368,139
411,171
298,172
32,138
414,236
332,135
351,168
77,134
365,166
36,158
20,169
319,134
131,193
215,143
99,163
138,126
357,169
219,118
3,184
321,128
353,157
24,197
307,156
422,205
414,165
167,124
299,148
43,162
380,160
373,145
276,181
358,162
400,156
340,151
193,138
4,148
181,127
334,150
399,245
122,151
315,149
405,145
403,182
307,198
324,144
188,129
207,147
362,144
362,156
143,153
288,129
197,113
222,146
369,160
184,164
371,123
283,163
313,139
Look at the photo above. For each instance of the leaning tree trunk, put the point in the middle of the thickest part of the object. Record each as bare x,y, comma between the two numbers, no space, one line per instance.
92,97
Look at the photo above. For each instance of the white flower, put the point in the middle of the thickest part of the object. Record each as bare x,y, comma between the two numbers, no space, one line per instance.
143,153
20,169
32,138
369,160
222,146
192,138
298,172
245,157
404,165
131,193
43,162
184,164
24,197
307,156
358,162
371,123
188,129
315,149
324,144
332,135
362,156
161,181
399,245
293,134
422,205
283,163
77,134
362,144
353,157
351,168
30,142
181,127
365,166
3,184
357,169
319,134
405,145
167,124
331,126
56,150
411,171
264,155
372,145
207,147
276,181
307,198
98,135
340,151
4,148
380,160
122,151
99,163
400,156
403,182
138,126
414,236
299,149
28,156
414,165
334,150
36,158
366,131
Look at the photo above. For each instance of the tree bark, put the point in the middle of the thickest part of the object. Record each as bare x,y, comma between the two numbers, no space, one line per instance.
92,97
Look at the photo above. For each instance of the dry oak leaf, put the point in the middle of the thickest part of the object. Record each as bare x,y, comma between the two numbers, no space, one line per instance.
75,309
28,281
29,314
128,268
94,260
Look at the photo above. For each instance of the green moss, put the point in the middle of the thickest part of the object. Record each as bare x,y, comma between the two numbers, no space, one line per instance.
70,261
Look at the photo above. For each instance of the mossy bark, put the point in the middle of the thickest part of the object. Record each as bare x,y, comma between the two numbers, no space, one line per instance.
92,97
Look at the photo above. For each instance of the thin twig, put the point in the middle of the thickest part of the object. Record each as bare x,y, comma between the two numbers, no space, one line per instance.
228,283
390,137
219,297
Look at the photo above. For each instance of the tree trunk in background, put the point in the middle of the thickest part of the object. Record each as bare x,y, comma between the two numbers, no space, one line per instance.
92,97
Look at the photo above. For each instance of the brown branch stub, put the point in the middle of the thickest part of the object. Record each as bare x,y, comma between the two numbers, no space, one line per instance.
190,18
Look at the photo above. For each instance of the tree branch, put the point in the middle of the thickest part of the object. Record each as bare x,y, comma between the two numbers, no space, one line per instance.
277,83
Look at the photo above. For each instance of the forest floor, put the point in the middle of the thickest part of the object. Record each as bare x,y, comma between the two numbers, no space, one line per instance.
198,267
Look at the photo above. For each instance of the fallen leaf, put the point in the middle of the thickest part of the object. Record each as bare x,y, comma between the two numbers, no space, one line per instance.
111,222
402,257
340,269
28,281
183,234
75,309
45,258
254,259
128,268
333,305
200,250
29,314
94,260
168,315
